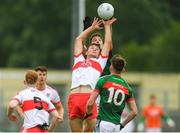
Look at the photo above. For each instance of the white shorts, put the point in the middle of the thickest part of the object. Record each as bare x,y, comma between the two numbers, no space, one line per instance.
129,127
105,126
153,130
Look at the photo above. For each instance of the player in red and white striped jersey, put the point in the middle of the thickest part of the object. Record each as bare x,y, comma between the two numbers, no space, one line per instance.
35,105
85,74
49,92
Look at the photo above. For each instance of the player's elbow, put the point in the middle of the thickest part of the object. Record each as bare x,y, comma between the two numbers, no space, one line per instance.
135,112
79,39
13,104
107,46
108,42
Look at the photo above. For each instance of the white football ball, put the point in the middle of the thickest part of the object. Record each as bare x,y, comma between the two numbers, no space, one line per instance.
105,11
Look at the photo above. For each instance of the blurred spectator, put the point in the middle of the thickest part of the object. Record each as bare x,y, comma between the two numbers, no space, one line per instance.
152,116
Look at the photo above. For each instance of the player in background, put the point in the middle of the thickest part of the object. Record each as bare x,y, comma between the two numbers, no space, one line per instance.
48,91
114,94
152,115
85,74
35,105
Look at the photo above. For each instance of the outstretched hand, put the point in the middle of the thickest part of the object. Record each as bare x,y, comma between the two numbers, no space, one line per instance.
171,123
109,22
96,24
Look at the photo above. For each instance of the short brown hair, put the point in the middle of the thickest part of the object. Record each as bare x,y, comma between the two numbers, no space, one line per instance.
93,44
31,77
152,96
41,68
95,34
118,63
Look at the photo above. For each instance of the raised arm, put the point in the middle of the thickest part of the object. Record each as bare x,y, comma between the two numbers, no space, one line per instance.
111,47
108,36
78,45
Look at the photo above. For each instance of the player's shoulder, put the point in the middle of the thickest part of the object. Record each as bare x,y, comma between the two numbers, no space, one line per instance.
159,107
105,77
126,84
123,80
43,97
24,90
102,57
146,107
149,107
79,56
50,89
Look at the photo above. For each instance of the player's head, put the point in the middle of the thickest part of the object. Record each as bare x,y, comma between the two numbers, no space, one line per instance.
152,99
93,50
117,64
97,38
31,78
42,74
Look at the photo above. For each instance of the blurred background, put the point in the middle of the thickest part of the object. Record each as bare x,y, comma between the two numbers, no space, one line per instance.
41,32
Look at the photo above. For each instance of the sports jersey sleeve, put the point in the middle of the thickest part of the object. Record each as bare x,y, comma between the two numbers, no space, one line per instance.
164,116
130,95
18,97
78,58
50,106
55,97
103,60
99,85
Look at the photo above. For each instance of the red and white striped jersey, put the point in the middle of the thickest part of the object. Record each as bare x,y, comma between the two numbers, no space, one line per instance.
36,107
87,71
51,94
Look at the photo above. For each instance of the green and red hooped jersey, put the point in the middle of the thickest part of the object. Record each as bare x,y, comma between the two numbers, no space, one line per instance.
114,93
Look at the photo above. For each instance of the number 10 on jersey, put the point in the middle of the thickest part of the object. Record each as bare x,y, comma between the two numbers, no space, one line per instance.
113,96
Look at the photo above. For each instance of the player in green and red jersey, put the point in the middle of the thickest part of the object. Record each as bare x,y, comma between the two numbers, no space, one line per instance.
114,94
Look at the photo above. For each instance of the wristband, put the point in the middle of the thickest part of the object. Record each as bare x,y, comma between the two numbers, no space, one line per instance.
121,126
